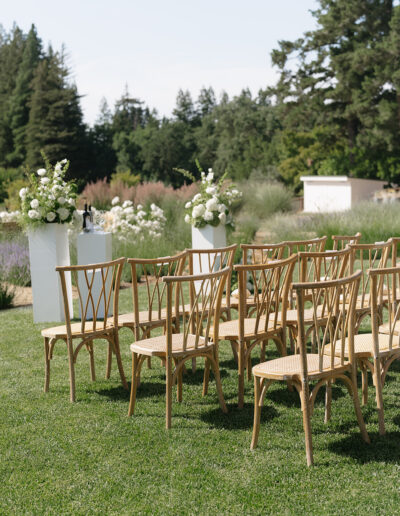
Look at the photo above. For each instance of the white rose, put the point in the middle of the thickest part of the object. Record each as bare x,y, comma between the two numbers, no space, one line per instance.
115,200
208,215
221,208
188,205
41,172
45,180
33,214
23,192
56,188
187,219
71,201
50,216
222,218
211,190
196,197
63,212
198,211
35,204
212,204
61,200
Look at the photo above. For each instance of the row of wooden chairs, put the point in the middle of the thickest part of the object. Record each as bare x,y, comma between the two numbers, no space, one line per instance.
195,315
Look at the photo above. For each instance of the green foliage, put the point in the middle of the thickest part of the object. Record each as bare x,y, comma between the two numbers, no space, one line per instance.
6,296
125,177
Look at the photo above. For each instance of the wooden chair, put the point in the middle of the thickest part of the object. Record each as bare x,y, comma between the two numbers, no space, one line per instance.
316,267
337,333
342,241
366,257
257,254
377,350
315,245
271,281
150,313
198,327
98,290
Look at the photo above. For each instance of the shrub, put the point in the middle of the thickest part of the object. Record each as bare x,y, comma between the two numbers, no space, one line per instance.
14,262
6,296
125,177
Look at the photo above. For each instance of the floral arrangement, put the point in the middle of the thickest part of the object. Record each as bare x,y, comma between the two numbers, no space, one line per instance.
48,198
128,221
212,205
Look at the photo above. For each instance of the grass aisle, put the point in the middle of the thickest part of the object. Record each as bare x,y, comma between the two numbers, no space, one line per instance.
90,458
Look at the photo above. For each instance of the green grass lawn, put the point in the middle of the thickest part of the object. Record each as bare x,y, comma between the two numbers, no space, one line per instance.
90,458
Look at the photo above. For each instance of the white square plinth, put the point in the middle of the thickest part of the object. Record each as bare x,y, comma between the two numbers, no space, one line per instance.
209,237
48,248
94,248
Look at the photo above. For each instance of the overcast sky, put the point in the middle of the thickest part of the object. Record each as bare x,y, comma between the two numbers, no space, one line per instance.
157,47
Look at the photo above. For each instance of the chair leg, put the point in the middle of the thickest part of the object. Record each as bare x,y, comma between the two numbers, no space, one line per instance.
262,352
379,397
364,383
306,409
206,377
168,371
234,351
71,371
148,362
91,359
241,364
257,413
215,367
194,365
134,384
109,361
119,360
352,382
248,364
179,385
46,365
328,401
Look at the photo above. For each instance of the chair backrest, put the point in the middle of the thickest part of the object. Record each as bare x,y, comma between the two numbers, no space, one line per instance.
153,298
323,266
365,257
98,291
203,261
262,253
313,245
336,329
341,241
204,313
271,282
394,251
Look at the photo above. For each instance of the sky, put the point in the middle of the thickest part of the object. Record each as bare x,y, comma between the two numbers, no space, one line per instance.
157,47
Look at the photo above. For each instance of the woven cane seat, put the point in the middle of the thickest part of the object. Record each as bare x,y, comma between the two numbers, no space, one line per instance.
229,330
156,346
286,368
385,328
291,315
156,318
76,330
364,345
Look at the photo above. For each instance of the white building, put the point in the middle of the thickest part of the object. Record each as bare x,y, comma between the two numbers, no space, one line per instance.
337,193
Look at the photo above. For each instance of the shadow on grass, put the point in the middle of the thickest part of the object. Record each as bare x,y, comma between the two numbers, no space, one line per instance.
145,390
237,419
384,448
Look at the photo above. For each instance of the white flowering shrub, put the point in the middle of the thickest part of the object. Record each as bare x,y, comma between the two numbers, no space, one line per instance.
48,198
212,205
128,222
9,216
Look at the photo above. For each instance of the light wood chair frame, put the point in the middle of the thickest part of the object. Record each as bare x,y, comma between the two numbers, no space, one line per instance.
336,332
87,332
342,241
200,325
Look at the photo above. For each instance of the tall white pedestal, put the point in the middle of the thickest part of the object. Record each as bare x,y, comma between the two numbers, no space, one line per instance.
93,248
48,248
209,237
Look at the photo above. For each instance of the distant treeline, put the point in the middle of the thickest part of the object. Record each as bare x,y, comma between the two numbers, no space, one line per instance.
334,110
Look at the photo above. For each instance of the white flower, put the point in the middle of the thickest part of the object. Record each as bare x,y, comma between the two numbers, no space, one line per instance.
45,180
222,218
209,170
33,214
208,215
115,200
198,211
210,175
222,208
63,212
212,204
56,188
62,200
211,190
41,172
126,204
197,197
58,166
141,214
71,201
23,192
64,161
50,216
34,204
139,207
188,205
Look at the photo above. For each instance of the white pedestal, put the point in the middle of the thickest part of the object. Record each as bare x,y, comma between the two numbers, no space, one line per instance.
48,248
209,237
94,247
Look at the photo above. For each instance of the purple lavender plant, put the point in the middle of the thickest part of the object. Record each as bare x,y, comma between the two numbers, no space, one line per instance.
14,262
